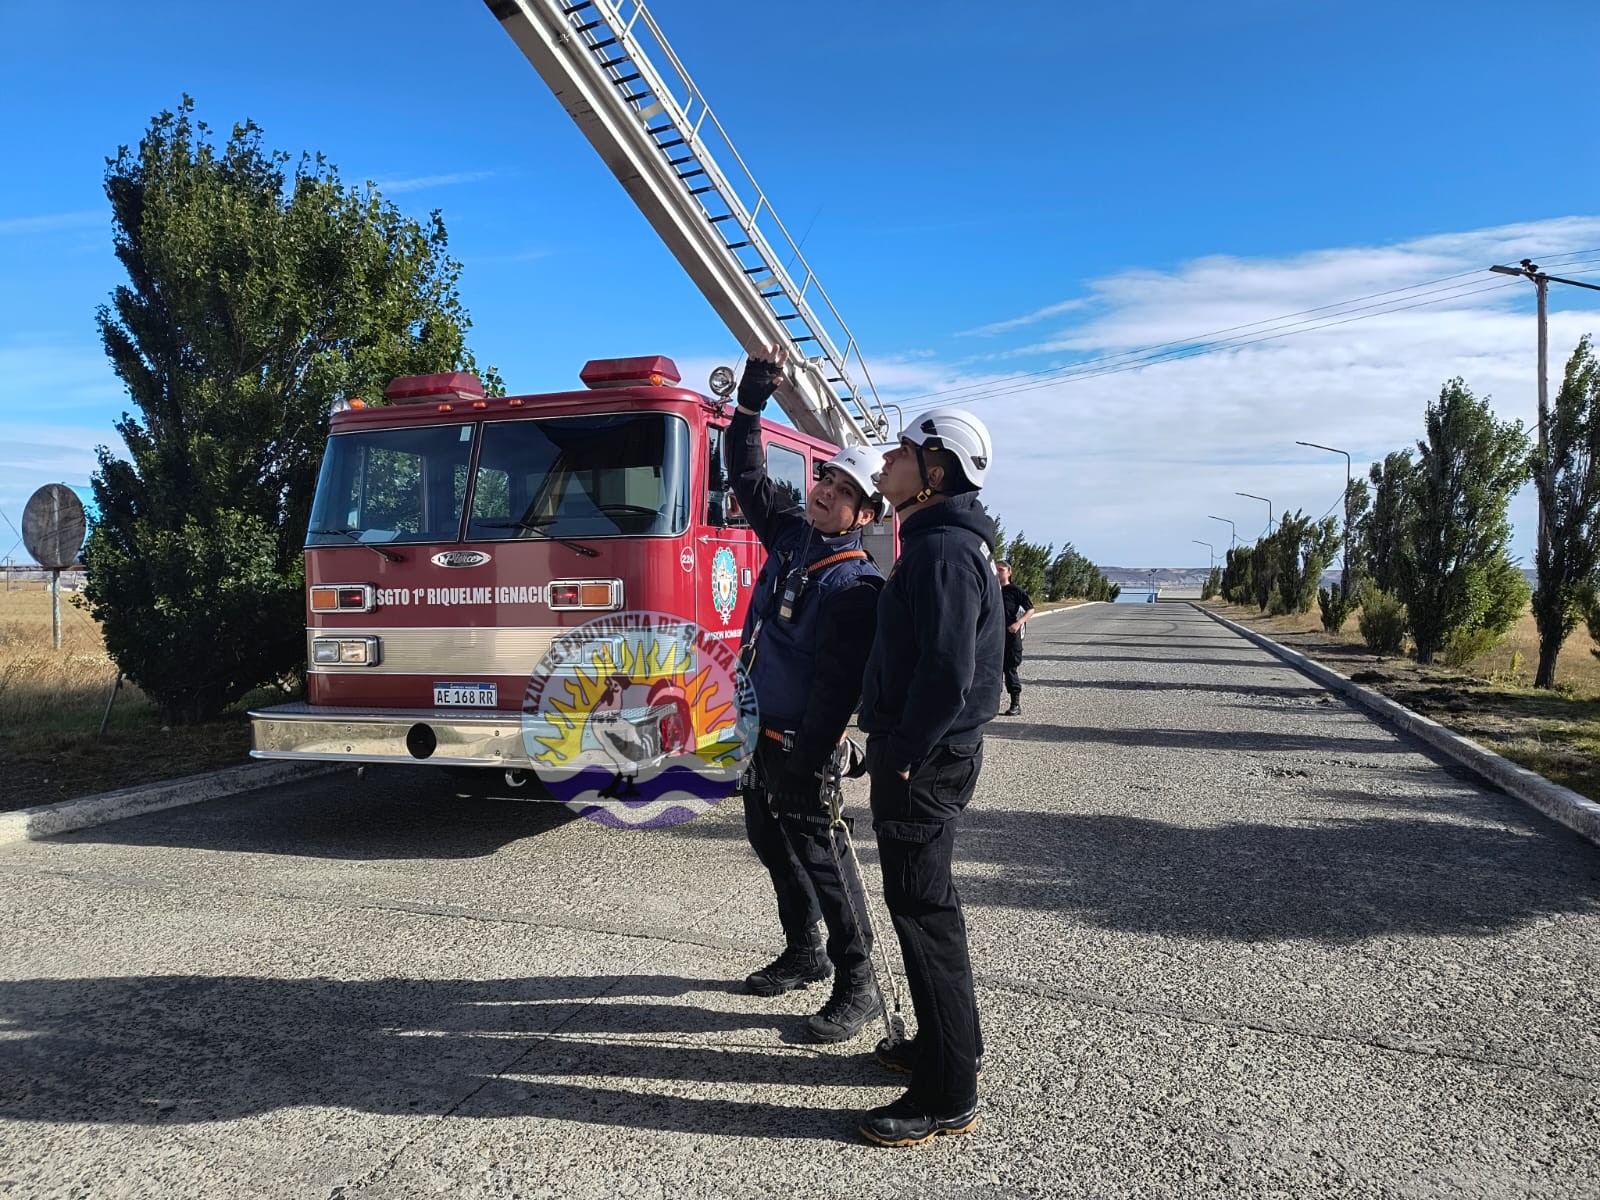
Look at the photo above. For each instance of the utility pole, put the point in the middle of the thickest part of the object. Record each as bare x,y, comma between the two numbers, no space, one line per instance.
1545,484
1344,574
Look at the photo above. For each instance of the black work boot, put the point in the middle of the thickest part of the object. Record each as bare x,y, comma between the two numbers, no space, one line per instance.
904,1123
1016,706
901,1056
854,1002
799,964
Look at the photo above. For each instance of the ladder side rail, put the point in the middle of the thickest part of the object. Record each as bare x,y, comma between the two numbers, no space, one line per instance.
872,414
568,66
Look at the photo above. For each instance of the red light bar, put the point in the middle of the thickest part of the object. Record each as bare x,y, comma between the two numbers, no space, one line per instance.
453,385
652,371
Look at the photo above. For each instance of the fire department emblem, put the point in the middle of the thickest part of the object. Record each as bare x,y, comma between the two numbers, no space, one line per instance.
724,583
640,720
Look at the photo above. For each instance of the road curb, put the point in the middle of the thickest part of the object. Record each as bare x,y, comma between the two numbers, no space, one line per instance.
1577,813
30,824
1050,612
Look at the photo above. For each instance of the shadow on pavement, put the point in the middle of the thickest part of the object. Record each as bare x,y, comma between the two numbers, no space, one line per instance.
1348,879
1150,685
186,1049
1159,659
1193,739
393,813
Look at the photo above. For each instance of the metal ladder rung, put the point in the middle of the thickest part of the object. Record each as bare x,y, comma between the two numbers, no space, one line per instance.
678,162
635,97
671,144
736,245
690,174
589,26
615,62
770,295
578,7
723,217
627,79
805,338
604,44
790,317
701,191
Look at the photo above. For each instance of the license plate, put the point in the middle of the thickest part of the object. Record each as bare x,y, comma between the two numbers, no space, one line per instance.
472,695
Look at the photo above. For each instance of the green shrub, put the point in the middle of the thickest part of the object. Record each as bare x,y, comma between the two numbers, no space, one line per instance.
1382,621
1464,645
1276,605
1336,608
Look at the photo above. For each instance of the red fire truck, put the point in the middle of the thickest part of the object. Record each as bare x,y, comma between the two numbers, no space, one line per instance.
455,536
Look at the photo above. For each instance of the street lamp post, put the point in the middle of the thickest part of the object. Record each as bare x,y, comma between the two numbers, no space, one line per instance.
1263,500
1233,536
1344,574
1209,547
1544,484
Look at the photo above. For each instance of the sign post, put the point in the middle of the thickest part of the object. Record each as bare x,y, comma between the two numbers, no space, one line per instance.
53,526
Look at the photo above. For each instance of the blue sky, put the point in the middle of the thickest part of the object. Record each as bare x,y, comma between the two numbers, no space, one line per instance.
981,199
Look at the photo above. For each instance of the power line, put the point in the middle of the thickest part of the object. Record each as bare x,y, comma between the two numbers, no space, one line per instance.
1204,343
1110,367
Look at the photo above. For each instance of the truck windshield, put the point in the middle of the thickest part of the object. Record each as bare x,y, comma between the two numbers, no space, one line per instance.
393,485
589,476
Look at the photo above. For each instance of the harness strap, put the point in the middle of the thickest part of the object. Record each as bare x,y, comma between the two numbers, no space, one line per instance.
841,556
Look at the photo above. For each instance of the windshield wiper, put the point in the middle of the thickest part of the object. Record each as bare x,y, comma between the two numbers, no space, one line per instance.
538,527
356,538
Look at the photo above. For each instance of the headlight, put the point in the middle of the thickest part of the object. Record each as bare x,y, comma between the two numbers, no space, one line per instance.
346,652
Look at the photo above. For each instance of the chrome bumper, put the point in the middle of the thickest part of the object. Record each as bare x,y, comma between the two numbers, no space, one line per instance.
439,737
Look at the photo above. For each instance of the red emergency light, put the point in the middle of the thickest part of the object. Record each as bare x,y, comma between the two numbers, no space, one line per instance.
650,371
452,385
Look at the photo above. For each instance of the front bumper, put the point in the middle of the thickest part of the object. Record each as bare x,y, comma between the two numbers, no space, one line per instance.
438,737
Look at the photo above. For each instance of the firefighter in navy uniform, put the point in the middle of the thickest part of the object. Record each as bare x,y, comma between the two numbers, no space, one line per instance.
1019,611
932,685
805,644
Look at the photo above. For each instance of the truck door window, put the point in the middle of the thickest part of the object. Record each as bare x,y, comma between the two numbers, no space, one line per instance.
392,485
787,470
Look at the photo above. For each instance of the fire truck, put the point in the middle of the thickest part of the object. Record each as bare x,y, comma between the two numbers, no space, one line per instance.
456,537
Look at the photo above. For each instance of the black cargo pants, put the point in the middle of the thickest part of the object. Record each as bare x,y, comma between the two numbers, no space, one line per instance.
915,820
1013,661
797,849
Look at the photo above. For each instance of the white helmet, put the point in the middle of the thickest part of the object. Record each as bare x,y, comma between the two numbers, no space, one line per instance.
861,464
959,432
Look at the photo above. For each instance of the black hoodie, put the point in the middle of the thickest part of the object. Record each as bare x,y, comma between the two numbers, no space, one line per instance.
935,672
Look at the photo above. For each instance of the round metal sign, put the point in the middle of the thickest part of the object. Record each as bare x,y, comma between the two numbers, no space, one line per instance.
53,526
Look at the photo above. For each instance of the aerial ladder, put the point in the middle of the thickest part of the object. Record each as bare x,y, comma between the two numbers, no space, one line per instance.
618,78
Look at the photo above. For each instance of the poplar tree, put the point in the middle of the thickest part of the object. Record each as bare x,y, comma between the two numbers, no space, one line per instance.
259,290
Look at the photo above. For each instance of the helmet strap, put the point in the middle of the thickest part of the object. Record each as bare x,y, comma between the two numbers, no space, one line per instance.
928,490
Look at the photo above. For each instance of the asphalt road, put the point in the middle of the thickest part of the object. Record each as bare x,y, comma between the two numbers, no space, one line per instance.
1234,939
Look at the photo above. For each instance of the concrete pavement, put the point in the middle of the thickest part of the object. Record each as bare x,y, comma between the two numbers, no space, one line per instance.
1234,939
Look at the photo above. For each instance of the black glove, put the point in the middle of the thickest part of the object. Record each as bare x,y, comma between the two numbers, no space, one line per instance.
797,790
759,381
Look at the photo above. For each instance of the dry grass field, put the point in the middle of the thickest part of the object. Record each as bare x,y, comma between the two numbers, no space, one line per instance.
1491,700
51,704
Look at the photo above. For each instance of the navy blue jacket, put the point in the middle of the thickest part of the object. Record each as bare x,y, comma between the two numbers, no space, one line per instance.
805,671
934,677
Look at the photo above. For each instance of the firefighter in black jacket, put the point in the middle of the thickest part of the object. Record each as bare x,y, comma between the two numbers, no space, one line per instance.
932,685
805,644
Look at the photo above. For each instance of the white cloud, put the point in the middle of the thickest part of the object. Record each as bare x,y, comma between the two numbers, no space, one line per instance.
1128,465
52,222
417,183
1042,314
